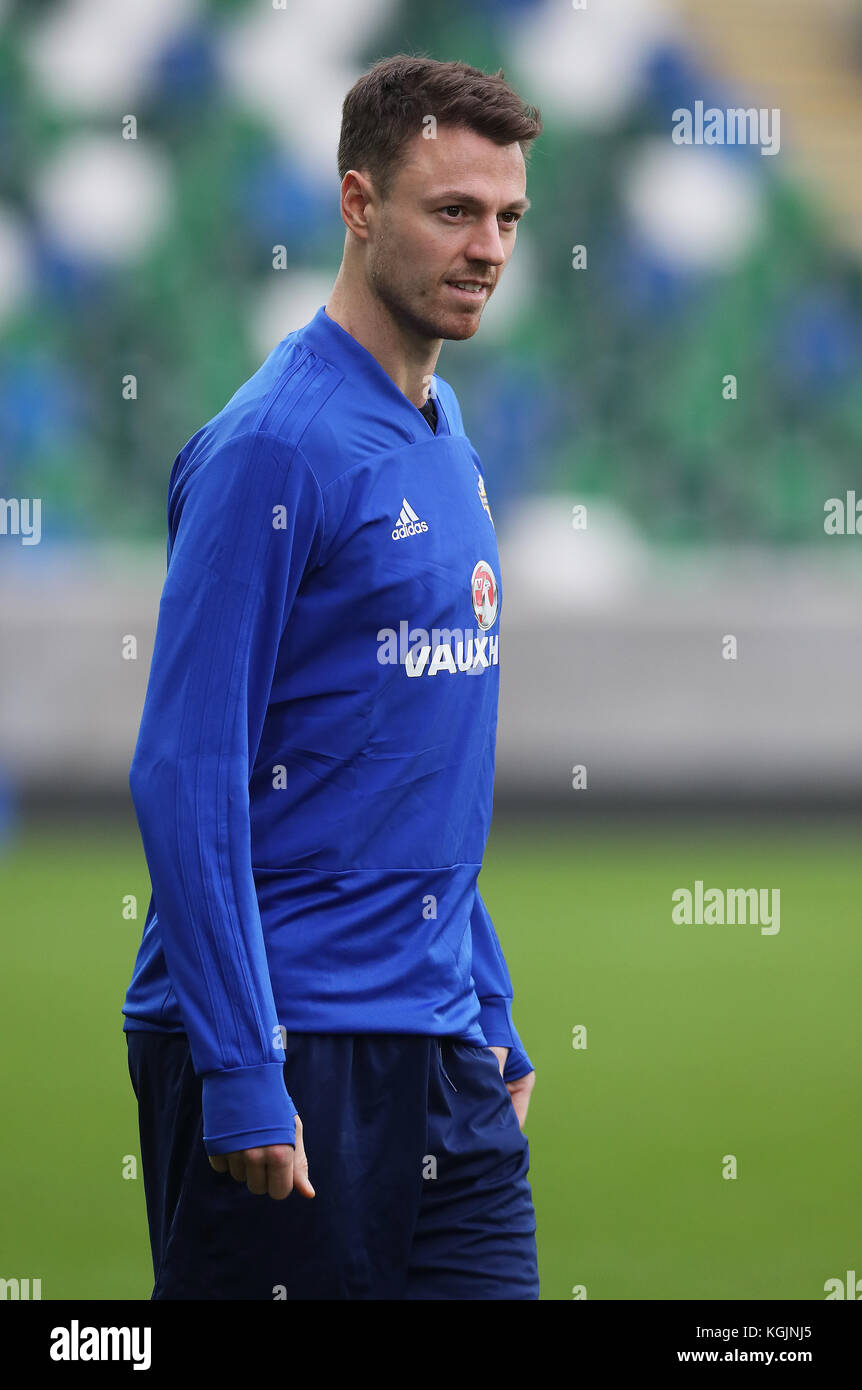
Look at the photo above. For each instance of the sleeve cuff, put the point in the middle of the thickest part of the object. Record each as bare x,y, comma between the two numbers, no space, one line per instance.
247,1107
517,1065
495,1020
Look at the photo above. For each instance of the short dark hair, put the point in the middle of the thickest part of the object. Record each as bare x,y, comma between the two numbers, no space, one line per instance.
385,108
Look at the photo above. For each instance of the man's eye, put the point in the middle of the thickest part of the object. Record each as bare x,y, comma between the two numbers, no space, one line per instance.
516,217
453,207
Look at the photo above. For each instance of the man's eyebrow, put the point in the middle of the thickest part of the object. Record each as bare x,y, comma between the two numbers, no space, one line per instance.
452,195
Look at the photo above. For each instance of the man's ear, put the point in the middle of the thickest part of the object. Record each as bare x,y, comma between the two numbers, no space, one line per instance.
356,194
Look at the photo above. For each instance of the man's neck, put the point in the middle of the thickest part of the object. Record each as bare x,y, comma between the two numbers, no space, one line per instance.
408,358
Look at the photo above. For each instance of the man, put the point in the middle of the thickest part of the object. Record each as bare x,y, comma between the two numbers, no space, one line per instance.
313,773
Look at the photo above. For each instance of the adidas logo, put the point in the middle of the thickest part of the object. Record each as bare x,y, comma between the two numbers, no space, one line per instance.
408,523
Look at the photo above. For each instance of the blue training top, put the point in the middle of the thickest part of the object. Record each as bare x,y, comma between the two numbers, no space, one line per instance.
314,770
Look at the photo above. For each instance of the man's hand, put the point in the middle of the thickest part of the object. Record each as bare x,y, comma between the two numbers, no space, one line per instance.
519,1090
275,1169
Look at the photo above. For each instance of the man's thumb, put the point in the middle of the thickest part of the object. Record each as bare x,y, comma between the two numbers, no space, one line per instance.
301,1180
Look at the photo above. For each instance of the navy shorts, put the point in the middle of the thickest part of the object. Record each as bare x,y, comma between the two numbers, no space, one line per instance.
415,1154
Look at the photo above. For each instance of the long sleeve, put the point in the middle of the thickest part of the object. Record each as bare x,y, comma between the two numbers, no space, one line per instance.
494,990
248,520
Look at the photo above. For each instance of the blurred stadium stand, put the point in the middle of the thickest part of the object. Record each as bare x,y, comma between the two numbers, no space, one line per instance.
601,386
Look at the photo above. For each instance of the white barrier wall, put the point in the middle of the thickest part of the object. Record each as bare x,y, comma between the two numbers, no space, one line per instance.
622,670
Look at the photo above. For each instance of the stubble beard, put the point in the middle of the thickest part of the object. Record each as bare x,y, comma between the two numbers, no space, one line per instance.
407,305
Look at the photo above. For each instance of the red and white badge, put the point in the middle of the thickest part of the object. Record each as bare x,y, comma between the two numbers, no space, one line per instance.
486,598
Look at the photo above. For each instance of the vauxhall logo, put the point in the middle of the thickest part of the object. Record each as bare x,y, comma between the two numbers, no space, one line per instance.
449,649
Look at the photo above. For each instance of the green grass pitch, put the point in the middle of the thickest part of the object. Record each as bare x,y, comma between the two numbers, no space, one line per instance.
702,1041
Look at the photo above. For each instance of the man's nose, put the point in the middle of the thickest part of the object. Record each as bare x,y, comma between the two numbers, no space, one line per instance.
486,244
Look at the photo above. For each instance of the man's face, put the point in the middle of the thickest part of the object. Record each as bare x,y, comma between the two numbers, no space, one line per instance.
450,216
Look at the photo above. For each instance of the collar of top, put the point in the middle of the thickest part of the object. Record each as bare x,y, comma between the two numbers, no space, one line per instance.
330,341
